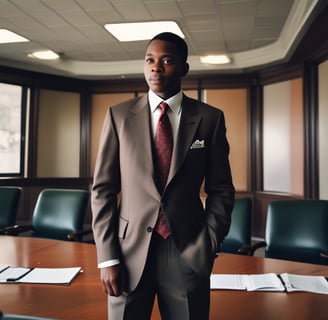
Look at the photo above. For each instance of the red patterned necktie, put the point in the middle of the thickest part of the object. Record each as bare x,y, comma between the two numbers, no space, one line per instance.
163,148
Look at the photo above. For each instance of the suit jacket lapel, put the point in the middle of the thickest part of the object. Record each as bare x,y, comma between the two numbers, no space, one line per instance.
140,127
142,135
189,122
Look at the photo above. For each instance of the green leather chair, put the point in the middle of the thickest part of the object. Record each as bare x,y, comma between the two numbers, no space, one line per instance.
297,230
9,201
58,214
238,240
20,317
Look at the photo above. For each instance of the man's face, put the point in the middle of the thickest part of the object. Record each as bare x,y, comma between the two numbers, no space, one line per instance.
164,68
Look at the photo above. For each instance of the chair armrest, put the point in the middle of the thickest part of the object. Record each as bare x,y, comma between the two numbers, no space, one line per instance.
324,256
245,250
77,236
256,246
16,229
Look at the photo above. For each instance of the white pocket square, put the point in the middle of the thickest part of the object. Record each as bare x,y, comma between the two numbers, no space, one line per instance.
198,144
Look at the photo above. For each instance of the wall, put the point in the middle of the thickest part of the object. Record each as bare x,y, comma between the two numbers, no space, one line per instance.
99,105
283,136
323,129
233,102
58,134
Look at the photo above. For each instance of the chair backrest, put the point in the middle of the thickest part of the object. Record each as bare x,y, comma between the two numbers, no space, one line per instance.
21,317
297,230
240,229
59,212
9,201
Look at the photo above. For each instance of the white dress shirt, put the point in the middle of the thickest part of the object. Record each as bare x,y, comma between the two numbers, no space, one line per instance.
174,114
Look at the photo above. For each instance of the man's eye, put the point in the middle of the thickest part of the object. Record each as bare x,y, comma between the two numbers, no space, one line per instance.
149,60
168,61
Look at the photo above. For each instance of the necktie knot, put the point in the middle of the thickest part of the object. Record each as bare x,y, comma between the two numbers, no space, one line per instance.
164,107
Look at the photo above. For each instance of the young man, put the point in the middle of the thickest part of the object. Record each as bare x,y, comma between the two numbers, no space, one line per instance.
136,261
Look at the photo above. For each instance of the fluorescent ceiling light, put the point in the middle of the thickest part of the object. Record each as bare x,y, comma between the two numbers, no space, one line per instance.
7,36
215,59
44,55
142,30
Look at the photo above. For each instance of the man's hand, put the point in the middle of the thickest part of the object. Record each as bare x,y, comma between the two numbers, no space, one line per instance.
114,280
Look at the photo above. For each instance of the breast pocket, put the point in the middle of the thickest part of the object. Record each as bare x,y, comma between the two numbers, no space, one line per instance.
122,228
196,160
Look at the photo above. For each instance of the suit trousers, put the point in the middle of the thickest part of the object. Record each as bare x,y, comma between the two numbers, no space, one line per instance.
181,293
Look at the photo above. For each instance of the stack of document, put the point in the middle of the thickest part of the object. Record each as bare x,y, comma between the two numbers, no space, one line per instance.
270,282
38,275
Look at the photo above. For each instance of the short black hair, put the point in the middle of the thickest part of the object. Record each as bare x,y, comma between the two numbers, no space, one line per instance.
180,44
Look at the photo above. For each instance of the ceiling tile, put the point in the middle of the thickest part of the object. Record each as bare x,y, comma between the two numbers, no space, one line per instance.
202,23
167,10
132,10
238,9
274,7
196,7
76,27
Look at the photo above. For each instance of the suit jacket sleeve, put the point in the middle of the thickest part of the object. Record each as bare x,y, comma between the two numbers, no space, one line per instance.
219,186
105,191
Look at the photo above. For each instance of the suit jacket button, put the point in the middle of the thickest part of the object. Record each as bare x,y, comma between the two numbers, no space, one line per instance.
149,229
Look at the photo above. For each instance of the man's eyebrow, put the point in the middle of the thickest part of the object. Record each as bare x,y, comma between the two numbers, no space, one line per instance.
165,55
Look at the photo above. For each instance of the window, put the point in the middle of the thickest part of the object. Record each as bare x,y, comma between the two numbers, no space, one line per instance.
283,137
12,129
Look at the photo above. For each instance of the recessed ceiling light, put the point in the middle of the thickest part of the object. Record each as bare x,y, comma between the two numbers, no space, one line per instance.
215,59
44,55
7,36
142,30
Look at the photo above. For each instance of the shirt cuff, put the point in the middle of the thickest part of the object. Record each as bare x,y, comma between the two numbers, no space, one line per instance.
108,263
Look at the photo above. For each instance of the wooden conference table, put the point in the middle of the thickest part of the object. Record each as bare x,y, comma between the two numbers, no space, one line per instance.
84,298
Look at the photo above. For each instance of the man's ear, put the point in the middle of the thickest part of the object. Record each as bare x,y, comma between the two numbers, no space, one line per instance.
185,69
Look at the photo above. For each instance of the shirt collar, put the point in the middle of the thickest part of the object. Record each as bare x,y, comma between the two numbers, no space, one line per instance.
174,102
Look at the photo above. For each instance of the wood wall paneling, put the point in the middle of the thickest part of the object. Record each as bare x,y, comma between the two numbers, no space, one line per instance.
99,106
58,136
233,102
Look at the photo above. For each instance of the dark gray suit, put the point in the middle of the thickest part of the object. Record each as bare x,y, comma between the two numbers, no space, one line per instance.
125,165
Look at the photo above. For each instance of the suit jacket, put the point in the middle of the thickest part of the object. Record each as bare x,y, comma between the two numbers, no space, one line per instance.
124,170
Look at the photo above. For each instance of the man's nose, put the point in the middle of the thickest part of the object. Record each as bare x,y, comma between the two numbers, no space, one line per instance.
157,67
